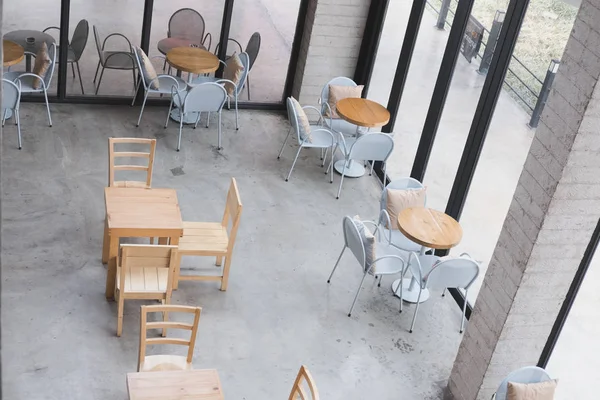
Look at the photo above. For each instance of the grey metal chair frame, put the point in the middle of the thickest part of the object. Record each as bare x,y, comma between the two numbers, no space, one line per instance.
253,44
202,37
103,61
14,106
353,241
82,31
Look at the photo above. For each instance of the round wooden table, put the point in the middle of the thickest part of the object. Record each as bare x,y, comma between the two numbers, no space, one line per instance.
13,53
360,112
431,229
20,37
193,60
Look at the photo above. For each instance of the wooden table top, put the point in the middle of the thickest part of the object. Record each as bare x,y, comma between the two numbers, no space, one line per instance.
135,211
430,228
196,384
13,53
363,112
193,59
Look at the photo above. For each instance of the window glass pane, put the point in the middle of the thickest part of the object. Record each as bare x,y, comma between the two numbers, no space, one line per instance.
109,17
274,22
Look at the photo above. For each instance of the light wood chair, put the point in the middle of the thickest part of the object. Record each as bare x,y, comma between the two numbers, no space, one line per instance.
167,362
144,272
113,154
299,391
212,239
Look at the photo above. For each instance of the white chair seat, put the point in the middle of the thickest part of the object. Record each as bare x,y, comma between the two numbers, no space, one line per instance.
202,79
400,241
319,137
341,125
388,266
26,81
165,83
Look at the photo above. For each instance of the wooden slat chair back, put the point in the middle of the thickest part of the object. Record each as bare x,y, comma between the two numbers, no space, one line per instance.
167,362
303,382
212,239
144,272
113,167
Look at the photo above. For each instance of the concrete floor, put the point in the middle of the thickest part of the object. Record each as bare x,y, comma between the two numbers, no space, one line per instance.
58,337
274,19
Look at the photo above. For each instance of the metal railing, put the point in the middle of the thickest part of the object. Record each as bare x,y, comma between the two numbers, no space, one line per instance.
515,80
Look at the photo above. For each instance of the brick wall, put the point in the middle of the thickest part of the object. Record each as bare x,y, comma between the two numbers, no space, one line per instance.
330,45
555,208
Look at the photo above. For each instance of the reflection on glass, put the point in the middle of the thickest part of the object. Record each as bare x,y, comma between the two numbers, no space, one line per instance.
265,30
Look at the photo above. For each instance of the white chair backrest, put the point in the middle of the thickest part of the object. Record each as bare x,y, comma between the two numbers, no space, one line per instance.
207,96
524,375
338,81
245,59
354,241
458,272
11,94
293,118
372,146
138,62
399,184
50,71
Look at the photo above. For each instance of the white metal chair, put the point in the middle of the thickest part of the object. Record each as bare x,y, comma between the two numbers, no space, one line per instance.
523,375
375,146
27,78
322,137
121,60
336,124
440,273
397,238
237,88
11,97
206,97
388,260
165,82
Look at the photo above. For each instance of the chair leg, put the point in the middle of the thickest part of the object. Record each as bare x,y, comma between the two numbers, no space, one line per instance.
79,74
248,85
294,163
165,314
357,293
225,278
464,311
219,144
176,272
134,80
18,118
324,157
330,168
137,87
142,110
4,117
237,126
208,119
73,69
99,80
97,68
181,115
342,180
120,314
197,120
336,264
412,325
48,108
380,278
444,292
371,172
169,113
284,142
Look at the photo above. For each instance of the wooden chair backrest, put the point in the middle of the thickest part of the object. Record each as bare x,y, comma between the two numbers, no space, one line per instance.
113,154
298,390
144,326
233,211
145,255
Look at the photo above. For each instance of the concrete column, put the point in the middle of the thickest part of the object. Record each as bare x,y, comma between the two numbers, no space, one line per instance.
330,45
555,208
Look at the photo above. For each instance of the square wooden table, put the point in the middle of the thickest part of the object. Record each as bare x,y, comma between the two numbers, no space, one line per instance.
198,384
137,212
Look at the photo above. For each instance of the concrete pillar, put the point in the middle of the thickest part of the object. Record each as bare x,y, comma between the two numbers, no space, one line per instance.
555,208
331,42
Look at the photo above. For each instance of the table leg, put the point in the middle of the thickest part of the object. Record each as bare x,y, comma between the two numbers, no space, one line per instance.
175,242
105,243
111,271
353,169
27,63
410,289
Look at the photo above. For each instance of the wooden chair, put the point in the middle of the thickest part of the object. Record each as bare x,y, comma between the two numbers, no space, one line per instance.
298,390
144,272
167,362
112,167
212,239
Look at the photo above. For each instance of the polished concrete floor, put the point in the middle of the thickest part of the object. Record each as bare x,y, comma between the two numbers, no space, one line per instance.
58,330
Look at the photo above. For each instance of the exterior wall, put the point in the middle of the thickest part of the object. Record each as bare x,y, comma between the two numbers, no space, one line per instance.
555,208
330,45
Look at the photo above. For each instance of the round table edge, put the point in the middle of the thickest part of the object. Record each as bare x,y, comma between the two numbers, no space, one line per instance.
195,71
425,244
13,62
361,123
